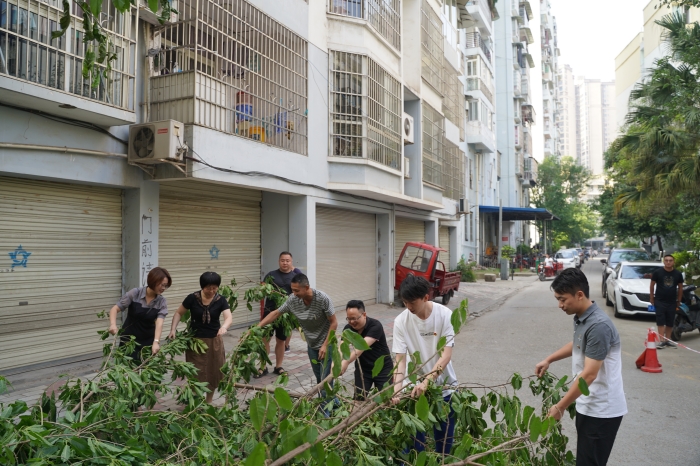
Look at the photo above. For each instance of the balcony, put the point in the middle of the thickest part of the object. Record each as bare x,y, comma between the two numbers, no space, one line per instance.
524,87
46,74
477,84
528,114
548,148
231,68
474,41
384,16
530,172
480,136
480,11
518,138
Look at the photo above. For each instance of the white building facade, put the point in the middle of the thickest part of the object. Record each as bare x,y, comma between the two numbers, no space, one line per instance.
335,130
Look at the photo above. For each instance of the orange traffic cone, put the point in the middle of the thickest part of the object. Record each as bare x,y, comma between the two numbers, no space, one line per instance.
648,362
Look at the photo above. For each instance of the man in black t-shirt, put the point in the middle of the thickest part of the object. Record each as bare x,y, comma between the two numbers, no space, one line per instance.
666,298
282,278
373,333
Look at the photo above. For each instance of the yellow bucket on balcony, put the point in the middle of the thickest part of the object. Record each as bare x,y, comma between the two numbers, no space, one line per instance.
257,133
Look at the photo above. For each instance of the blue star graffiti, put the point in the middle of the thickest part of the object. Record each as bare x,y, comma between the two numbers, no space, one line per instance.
19,257
214,252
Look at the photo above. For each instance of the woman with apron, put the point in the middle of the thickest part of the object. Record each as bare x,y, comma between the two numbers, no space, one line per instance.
147,310
206,309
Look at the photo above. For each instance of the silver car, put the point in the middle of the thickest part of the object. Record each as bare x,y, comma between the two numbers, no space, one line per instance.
628,287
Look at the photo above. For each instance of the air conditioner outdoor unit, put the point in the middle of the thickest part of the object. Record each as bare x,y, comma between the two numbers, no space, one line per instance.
407,129
157,141
406,168
463,206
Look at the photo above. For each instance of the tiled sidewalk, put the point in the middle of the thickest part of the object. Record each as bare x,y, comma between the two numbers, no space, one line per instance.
482,298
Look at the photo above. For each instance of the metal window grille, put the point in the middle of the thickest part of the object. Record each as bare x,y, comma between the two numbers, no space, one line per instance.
383,15
230,67
432,45
28,52
433,146
453,101
453,172
366,110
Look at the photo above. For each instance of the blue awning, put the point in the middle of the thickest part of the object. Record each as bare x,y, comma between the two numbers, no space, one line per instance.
519,213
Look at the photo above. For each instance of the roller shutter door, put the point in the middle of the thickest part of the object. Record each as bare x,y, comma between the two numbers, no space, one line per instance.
445,244
405,230
346,255
71,238
209,227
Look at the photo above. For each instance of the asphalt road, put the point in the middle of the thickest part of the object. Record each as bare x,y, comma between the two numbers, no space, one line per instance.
663,423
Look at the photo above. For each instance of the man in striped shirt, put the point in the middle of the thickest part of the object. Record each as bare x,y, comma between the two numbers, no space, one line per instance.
314,311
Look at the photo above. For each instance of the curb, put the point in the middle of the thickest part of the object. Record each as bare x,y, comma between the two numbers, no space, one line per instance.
495,304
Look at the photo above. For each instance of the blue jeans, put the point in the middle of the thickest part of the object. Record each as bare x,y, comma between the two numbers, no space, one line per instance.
323,368
443,434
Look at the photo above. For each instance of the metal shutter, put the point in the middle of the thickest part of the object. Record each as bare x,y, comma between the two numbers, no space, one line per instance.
73,234
405,230
346,255
445,244
209,227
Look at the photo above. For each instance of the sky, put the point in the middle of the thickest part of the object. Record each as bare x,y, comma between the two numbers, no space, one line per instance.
593,32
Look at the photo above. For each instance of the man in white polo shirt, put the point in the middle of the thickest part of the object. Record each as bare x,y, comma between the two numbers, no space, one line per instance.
596,357
419,328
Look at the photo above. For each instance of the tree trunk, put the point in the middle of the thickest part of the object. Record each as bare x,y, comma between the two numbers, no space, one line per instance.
661,247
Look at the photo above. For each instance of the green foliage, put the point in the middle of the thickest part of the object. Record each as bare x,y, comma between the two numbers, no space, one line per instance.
630,244
507,251
113,419
561,183
466,269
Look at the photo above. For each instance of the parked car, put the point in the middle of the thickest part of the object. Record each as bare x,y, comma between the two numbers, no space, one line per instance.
617,256
628,287
606,251
568,257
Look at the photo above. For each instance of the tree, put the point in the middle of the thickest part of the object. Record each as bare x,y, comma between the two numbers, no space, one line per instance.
111,419
561,184
660,146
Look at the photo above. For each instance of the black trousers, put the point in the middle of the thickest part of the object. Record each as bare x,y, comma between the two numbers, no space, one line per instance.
596,437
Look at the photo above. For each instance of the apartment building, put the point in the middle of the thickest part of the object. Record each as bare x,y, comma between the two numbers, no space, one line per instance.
566,141
595,128
515,112
336,130
633,63
552,118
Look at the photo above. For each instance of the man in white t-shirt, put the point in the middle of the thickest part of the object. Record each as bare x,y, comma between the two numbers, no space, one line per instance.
548,262
596,357
419,328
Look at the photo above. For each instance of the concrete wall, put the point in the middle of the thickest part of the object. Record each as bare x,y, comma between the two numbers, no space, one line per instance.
275,225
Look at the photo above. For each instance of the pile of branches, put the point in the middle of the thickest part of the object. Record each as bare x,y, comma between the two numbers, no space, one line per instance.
114,419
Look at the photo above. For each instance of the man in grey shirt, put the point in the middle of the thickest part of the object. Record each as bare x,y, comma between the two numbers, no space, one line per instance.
314,311
596,357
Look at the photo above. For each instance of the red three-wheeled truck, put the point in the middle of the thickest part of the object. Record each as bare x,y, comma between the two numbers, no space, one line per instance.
423,260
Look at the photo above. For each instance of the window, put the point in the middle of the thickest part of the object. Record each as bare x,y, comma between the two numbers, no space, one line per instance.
383,15
471,175
28,52
432,47
433,146
366,110
416,259
453,172
237,69
453,102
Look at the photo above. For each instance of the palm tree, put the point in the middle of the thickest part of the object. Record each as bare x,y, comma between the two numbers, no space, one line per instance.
662,140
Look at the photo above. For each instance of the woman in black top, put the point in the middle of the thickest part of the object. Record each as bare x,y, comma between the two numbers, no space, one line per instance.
373,333
147,310
206,307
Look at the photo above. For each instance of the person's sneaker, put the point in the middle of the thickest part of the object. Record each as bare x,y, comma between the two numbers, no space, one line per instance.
672,344
287,349
661,345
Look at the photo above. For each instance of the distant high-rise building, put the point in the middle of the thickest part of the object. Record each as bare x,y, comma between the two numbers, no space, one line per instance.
567,122
551,95
595,128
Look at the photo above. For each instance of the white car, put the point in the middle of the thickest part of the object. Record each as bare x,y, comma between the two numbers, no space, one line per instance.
628,287
568,257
